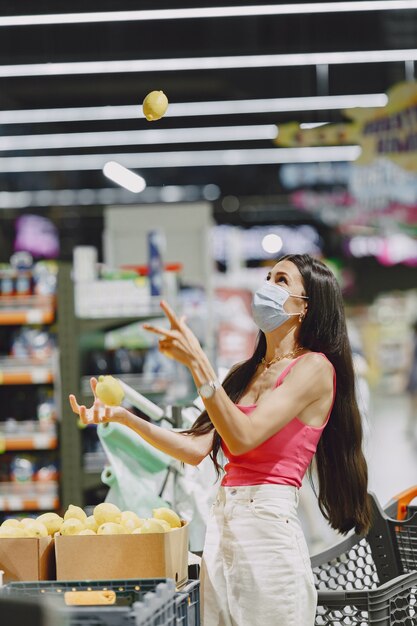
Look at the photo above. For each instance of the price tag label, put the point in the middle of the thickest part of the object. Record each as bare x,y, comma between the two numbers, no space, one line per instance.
41,375
15,503
34,316
41,441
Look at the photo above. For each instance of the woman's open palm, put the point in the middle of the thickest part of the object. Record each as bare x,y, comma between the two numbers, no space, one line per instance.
98,413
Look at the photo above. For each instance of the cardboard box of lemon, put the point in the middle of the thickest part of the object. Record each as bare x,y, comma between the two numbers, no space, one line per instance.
108,544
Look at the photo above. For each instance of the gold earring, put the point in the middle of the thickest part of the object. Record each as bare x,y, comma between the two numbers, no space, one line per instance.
300,319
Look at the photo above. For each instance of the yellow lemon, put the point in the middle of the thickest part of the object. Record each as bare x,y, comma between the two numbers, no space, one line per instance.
36,529
87,531
27,520
75,512
110,528
91,524
72,526
155,105
109,391
168,515
130,520
8,532
52,521
10,523
107,512
150,526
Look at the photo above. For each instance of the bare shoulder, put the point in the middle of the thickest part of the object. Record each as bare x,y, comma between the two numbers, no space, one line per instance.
315,370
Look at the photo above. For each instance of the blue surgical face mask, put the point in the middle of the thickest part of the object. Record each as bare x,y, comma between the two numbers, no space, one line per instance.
268,306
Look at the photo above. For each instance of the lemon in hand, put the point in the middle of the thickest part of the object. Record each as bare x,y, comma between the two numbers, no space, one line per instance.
155,105
109,391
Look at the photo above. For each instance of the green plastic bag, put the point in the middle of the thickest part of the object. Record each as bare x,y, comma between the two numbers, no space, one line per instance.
137,470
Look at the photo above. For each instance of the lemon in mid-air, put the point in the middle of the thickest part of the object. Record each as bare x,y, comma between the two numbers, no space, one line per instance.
155,105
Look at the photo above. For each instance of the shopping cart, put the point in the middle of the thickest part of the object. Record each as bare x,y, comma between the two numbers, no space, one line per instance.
400,517
361,580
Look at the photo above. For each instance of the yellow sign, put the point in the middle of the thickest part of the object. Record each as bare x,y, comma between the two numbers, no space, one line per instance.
389,132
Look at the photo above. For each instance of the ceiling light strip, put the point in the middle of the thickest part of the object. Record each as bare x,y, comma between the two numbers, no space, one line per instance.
207,63
188,109
208,12
199,158
138,137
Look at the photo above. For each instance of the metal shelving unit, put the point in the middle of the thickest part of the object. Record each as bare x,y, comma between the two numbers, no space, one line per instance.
75,480
28,436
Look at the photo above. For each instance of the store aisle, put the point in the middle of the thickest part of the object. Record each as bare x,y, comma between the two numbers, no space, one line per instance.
392,460
392,450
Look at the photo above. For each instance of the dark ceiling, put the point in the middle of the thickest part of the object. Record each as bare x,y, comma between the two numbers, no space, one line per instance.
183,38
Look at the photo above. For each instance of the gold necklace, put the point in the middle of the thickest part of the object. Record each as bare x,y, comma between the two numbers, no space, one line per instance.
280,358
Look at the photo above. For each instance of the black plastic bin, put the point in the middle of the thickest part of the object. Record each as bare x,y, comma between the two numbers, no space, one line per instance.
126,612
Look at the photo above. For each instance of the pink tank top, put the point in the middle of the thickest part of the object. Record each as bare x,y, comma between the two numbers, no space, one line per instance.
282,459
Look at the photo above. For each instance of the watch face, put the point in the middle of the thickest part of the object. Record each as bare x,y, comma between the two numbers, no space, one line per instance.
206,390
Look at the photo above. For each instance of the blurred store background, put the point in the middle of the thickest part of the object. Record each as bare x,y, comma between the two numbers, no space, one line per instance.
291,127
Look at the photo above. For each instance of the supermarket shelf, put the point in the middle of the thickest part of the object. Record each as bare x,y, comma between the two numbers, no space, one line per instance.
15,371
27,310
29,496
36,441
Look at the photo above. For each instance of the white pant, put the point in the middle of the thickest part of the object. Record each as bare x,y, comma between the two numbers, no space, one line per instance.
256,567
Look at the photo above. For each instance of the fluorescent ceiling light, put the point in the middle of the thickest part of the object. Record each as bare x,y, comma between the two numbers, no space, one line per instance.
198,158
193,109
207,63
208,12
139,137
124,177
106,195
309,125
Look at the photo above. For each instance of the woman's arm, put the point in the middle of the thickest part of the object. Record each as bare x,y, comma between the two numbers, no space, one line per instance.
187,448
310,381
184,447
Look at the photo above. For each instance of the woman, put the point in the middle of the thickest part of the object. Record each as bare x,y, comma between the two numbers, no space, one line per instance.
292,399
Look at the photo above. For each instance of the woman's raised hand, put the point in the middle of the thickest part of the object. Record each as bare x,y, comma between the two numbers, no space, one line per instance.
98,413
179,342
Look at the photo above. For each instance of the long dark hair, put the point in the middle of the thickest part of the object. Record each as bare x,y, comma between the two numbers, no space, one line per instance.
341,466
